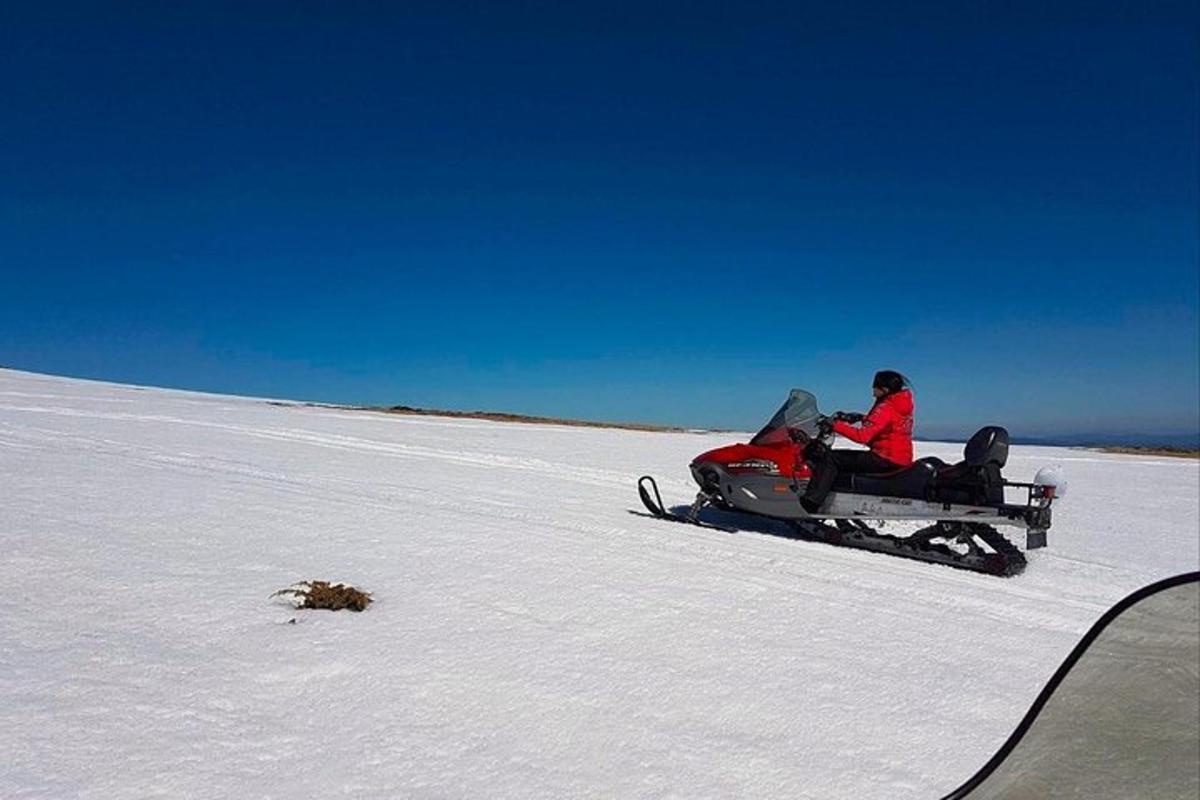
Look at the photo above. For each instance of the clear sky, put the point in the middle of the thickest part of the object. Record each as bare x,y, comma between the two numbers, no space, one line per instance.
639,211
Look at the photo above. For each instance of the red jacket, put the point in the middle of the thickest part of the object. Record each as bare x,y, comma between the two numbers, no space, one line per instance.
887,429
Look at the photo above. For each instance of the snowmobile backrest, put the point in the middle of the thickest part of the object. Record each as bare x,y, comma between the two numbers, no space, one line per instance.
988,446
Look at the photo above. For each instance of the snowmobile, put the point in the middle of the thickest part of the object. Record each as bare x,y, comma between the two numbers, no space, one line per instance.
963,502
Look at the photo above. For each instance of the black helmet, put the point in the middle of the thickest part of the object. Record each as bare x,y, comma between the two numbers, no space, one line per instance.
890,381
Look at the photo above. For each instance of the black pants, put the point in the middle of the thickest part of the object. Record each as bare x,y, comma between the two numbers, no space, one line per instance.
827,463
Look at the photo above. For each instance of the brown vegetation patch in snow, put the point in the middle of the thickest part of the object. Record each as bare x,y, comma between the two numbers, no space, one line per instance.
322,594
1173,452
500,416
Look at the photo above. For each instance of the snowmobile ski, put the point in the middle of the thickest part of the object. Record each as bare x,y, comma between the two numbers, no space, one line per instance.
657,510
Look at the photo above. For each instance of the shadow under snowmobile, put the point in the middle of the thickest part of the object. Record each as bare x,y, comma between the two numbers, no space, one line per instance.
740,522
726,521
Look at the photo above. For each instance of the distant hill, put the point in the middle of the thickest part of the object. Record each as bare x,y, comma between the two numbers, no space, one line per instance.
1179,452
1177,441
502,416
1137,441
1172,440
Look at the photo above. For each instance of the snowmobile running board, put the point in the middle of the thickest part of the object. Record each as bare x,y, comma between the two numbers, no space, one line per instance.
998,556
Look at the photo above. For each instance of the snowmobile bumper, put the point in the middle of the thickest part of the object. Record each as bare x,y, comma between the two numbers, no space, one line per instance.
1035,513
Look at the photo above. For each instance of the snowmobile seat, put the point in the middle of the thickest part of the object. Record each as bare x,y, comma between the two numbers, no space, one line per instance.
912,481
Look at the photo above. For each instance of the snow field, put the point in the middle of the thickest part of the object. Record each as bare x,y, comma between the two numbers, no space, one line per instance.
530,637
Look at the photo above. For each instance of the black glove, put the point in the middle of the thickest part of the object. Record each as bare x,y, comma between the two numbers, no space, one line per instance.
798,436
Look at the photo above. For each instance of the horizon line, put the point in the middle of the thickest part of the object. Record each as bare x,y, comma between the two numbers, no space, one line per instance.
945,433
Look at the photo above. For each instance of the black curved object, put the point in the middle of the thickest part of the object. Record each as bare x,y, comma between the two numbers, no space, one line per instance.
1061,673
653,504
989,445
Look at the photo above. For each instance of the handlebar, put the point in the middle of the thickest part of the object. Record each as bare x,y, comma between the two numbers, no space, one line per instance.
824,430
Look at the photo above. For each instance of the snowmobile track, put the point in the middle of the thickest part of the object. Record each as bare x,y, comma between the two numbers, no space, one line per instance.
1006,560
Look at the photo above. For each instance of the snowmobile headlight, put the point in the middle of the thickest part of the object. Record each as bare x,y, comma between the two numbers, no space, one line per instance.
760,465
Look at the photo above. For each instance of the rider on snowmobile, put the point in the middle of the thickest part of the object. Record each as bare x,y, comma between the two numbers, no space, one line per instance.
886,429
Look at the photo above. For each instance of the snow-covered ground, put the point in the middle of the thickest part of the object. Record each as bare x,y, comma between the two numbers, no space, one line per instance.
530,637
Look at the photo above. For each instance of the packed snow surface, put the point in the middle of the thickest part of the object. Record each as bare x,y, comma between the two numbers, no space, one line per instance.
529,637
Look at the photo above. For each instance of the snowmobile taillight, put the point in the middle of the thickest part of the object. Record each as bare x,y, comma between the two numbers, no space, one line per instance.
1052,482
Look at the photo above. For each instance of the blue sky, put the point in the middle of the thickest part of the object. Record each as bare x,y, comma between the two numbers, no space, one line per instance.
654,212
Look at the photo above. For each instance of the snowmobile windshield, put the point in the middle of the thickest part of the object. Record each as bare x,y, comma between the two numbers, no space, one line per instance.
799,413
